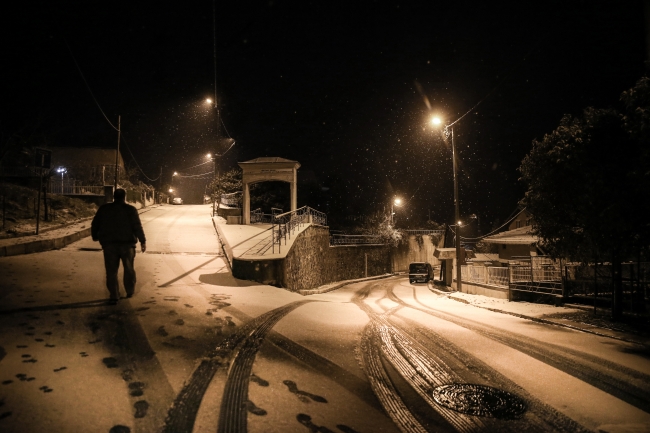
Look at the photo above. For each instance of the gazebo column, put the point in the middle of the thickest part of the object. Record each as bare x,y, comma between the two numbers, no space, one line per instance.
246,204
294,196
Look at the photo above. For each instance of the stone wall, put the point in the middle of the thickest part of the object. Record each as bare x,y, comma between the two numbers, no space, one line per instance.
402,256
312,262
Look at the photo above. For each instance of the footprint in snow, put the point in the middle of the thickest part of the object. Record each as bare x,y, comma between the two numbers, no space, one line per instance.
303,395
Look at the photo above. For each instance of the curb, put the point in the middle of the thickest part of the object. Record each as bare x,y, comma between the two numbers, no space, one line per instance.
42,245
318,291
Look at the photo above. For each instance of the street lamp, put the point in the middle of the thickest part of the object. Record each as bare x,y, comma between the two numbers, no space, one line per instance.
395,202
449,130
61,170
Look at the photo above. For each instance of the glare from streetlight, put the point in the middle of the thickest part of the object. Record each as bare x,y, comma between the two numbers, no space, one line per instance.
460,223
175,174
209,155
398,201
171,190
435,121
208,100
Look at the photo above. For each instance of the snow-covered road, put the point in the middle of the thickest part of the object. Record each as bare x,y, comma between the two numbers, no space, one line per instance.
197,350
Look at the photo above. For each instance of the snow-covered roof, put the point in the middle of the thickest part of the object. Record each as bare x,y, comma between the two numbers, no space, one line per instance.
485,257
267,159
520,236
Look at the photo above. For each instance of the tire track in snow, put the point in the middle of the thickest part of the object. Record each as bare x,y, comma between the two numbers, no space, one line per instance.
425,372
182,414
631,386
233,413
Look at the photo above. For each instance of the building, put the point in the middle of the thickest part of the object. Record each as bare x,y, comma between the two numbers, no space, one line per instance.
518,241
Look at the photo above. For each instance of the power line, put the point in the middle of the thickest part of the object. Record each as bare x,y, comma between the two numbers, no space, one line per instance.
493,231
136,162
87,85
195,175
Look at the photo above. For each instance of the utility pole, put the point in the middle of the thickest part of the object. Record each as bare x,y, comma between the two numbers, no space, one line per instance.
117,152
459,282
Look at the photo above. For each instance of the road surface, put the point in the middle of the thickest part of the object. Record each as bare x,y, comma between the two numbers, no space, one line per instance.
198,350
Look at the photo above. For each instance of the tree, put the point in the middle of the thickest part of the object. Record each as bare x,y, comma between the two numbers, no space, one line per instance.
584,190
225,183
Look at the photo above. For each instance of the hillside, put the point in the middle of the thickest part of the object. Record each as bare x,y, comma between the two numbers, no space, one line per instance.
18,211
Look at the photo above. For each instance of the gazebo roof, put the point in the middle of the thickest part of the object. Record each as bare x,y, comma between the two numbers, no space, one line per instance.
269,159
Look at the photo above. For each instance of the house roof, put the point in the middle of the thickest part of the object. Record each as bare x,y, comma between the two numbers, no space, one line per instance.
520,236
485,257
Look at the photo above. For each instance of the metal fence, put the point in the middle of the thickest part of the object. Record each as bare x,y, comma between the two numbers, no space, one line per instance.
536,274
258,217
492,276
232,199
497,276
341,239
57,188
595,282
437,233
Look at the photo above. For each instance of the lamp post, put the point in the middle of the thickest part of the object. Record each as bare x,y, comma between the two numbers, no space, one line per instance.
449,130
61,170
214,170
395,202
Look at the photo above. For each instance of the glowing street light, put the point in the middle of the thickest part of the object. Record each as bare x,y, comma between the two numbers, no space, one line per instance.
449,130
396,202
61,170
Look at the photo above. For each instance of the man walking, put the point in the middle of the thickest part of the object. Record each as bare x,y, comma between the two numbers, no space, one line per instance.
117,227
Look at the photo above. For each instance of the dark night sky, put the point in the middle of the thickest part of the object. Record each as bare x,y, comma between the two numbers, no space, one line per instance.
333,85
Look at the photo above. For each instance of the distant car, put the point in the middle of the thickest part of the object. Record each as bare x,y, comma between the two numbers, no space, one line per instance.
177,200
420,272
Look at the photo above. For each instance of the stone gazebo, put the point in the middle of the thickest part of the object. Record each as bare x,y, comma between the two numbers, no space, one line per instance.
268,169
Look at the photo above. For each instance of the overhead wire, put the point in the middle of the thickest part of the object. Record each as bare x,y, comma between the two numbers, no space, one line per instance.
493,231
209,173
136,162
87,85
102,111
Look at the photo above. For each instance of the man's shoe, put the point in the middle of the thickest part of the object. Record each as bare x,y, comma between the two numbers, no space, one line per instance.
129,295
112,301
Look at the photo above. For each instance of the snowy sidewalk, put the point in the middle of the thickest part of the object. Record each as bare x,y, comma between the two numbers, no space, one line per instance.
51,239
568,316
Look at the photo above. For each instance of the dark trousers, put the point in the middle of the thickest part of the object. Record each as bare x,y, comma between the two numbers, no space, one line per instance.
113,253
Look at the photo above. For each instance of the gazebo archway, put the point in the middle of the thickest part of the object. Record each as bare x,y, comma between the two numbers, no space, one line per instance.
268,169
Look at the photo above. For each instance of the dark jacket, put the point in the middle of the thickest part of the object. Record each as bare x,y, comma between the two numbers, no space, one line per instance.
117,223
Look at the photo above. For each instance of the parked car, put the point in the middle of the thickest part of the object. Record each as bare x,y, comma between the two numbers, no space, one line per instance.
177,200
420,272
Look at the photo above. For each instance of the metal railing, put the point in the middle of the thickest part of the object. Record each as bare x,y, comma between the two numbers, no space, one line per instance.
257,217
437,233
284,225
57,188
497,276
232,199
341,239
541,274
